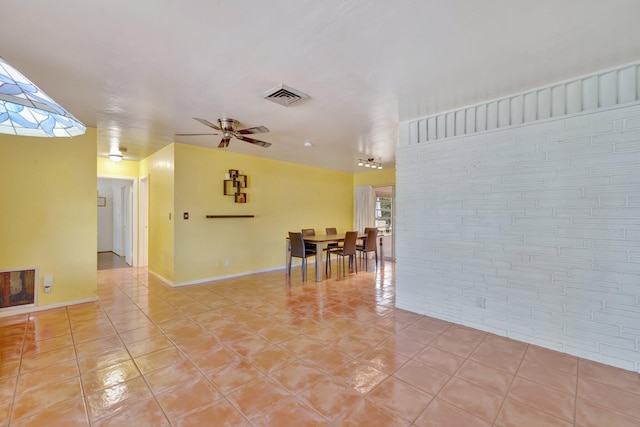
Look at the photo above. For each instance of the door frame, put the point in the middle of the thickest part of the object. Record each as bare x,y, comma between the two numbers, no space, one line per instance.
143,222
133,238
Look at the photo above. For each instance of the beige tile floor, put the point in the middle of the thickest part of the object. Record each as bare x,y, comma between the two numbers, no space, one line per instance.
259,351
109,261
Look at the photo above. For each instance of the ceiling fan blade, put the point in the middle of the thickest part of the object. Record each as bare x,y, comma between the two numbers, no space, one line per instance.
207,123
194,134
224,143
254,141
257,129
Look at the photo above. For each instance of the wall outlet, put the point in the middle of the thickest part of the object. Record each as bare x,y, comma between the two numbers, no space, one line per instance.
47,283
227,262
480,302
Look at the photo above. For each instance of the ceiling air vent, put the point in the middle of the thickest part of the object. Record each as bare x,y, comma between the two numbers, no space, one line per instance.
284,95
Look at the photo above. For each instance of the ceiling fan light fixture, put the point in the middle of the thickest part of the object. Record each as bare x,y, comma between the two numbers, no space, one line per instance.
27,111
370,163
116,157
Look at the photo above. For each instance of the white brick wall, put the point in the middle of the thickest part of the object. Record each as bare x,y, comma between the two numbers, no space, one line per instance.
540,223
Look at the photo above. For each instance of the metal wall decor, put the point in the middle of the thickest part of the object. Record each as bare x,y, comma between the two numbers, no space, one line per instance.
233,185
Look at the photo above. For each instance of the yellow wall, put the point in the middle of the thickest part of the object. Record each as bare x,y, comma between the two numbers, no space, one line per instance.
376,178
49,214
160,169
51,223
125,168
282,196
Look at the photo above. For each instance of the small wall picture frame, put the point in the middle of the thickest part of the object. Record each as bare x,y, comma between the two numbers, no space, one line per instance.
241,198
102,202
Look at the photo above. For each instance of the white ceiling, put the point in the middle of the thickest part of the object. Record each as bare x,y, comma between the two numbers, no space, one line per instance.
139,70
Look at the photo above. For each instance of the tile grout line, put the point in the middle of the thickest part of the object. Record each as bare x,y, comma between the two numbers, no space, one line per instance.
515,375
575,403
15,386
155,398
117,333
453,375
75,353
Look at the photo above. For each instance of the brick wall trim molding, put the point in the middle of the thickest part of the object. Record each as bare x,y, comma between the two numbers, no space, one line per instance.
604,89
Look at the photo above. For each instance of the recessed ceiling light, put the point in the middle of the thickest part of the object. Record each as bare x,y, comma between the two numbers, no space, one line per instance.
308,144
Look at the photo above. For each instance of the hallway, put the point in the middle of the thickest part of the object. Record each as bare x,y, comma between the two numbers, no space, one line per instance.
110,261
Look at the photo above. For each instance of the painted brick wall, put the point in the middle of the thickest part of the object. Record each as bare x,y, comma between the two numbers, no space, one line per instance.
531,232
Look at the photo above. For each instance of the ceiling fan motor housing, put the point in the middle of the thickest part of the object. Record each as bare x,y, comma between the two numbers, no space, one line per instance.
228,125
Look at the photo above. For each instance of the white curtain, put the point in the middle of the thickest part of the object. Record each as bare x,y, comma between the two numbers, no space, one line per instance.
364,205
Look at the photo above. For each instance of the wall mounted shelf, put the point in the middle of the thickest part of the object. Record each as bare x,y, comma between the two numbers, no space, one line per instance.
233,185
230,216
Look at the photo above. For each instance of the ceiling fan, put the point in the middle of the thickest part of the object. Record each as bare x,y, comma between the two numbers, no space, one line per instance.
228,129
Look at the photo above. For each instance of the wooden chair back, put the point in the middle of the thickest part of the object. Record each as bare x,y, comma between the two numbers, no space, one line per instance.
297,245
308,232
370,244
349,247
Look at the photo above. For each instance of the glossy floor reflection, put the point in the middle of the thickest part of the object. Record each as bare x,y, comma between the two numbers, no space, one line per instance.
258,351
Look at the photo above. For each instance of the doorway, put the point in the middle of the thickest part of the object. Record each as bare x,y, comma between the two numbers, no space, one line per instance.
385,218
115,219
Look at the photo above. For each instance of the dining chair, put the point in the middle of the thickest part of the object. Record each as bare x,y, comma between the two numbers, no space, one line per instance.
298,250
347,250
309,232
369,245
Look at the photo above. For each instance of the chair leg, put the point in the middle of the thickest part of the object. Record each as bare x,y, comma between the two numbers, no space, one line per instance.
327,266
304,269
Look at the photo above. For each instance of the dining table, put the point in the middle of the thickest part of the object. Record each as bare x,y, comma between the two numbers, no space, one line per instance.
321,241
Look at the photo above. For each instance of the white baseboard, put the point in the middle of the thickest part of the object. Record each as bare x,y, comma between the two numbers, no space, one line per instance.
212,279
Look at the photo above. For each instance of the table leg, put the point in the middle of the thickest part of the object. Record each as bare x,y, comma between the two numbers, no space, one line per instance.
319,251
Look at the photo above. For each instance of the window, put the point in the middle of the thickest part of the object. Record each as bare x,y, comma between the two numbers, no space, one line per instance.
384,213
